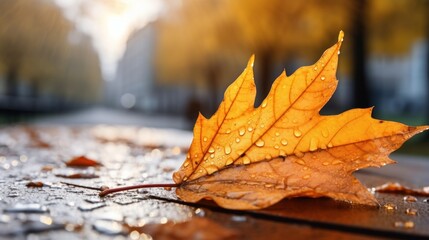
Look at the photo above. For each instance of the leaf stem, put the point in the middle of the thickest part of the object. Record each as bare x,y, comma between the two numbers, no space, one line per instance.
126,188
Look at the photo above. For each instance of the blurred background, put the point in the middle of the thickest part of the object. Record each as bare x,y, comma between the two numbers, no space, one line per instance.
174,58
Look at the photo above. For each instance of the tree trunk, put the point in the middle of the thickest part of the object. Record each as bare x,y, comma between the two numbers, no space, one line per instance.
361,93
266,68
12,81
213,84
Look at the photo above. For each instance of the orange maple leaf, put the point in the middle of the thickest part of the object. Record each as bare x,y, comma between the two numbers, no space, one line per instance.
249,158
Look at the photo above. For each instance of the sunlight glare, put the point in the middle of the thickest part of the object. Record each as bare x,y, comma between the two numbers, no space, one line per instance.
110,23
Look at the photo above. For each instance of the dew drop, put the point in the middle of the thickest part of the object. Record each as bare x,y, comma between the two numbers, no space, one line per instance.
211,150
205,139
241,131
283,142
196,155
325,163
390,206
276,146
300,162
188,156
325,133
228,130
262,125
268,157
264,103
411,211
336,162
260,143
399,224
237,140
306,177
315,68
212,155
339,52
186,163
408,224
249,129
297,133
299,154
277,134
313,144
210,169
185,178
323,78
246,160
330,145
228,149
269,185
282,153
229,162
410,199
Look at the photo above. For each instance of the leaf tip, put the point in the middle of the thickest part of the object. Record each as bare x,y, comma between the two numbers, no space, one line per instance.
251,61
341,36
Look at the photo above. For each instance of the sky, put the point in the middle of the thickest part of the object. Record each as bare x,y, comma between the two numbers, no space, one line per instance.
109,23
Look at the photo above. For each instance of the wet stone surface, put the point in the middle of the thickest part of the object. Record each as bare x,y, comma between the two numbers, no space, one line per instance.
135,155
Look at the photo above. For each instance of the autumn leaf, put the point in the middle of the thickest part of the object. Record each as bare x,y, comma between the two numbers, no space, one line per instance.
249,158
82,161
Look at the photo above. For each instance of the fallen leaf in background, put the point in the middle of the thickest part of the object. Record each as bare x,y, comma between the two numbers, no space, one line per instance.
250,158
394,187
82,161
35,139
34,184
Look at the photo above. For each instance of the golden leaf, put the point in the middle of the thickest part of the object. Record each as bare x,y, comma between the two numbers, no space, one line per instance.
249,158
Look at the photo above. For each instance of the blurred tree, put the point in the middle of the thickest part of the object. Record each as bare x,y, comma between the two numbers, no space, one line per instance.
204,40
361,92
395,25
38,44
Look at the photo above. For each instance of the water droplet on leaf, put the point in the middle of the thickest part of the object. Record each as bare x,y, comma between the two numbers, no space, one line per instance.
241,131
228,149
313,144
300,162
260,143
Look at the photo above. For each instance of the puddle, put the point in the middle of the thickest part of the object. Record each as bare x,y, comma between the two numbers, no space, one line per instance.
27,208
108,227
90,207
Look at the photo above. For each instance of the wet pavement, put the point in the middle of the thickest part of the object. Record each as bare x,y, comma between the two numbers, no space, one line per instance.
49,208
